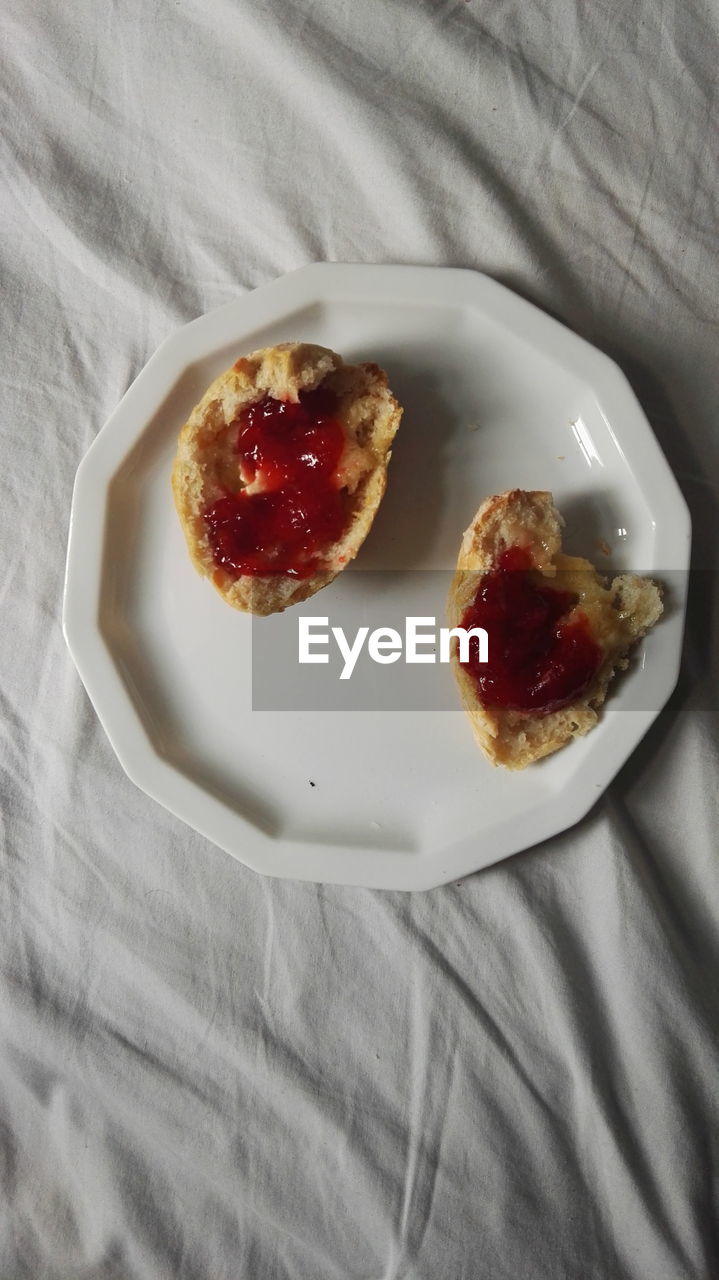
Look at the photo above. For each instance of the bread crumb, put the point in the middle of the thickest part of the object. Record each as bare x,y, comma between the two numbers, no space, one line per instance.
604,547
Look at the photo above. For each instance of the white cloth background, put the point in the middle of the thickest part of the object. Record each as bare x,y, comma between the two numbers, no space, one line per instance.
207,1075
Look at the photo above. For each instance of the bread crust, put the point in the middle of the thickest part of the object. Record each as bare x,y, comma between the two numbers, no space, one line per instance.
620,610
370,416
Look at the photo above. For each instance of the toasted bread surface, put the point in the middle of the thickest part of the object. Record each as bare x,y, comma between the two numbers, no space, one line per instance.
619,610
206,466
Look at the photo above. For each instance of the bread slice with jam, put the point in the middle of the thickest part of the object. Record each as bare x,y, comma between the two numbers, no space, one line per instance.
280,470
557,630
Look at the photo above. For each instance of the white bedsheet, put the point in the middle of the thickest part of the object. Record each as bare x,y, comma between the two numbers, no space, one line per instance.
208,1075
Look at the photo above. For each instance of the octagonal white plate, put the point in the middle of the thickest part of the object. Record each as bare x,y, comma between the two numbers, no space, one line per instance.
496,395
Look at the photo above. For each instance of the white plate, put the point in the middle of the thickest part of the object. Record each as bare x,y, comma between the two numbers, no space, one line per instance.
497,395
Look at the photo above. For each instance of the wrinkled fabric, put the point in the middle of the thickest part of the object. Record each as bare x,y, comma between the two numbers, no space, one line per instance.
205,1074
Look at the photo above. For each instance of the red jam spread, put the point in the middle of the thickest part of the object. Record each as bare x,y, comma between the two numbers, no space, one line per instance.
290,453
537,663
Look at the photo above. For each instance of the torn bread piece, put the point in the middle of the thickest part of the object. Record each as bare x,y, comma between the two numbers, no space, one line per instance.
280,470
557,630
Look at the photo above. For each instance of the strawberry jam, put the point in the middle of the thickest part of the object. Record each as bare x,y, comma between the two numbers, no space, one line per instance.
537,662
289,455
